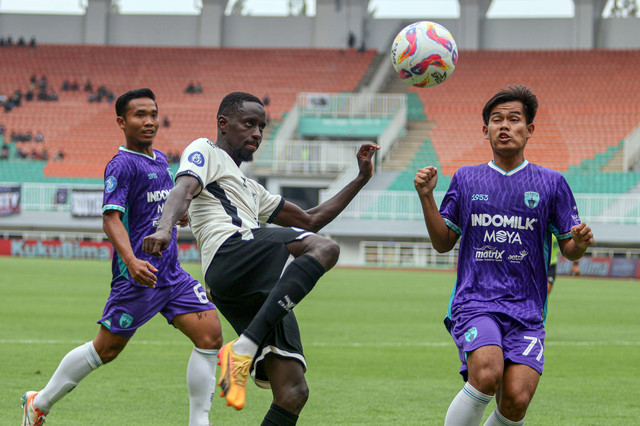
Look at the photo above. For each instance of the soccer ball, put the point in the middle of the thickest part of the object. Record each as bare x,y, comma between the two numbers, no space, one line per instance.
424,54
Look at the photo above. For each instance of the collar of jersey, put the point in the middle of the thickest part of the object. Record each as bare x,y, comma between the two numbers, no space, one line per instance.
509,173
122,148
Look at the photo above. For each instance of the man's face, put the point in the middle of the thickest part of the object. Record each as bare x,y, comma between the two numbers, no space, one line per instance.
508,130
243,130
140,122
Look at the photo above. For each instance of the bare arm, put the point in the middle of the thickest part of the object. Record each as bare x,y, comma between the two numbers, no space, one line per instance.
317,217
174,210
140,270
581,238
442,237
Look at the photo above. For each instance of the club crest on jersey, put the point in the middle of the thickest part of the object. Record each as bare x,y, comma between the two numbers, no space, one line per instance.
196,158
531,199
110,184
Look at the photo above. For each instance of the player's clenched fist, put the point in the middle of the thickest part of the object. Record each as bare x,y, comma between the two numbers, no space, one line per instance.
582,235
426,179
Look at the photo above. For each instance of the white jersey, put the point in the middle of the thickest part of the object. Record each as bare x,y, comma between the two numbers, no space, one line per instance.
228,201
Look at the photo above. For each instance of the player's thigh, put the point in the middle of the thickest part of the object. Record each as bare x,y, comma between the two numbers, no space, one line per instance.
519,384
203,328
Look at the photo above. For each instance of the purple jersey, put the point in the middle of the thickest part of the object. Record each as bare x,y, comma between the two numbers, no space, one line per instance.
138,186
505,221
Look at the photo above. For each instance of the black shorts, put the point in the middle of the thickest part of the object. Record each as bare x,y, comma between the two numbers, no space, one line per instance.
240,278
551,274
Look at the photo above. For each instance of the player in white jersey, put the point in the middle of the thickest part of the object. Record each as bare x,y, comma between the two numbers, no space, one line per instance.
505,213
244,264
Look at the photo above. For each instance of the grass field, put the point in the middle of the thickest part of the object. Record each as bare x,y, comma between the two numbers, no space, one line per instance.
377,351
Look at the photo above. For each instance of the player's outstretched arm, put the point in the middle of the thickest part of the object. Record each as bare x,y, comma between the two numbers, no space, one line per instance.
173,212
318,217
442,237
581,239
140,270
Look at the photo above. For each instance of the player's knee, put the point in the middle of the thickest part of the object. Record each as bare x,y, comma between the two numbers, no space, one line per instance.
210,341
514,407
108,354
326,252
294,398
486,380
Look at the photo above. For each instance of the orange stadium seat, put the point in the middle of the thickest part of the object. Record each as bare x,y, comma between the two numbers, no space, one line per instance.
588,103
86,132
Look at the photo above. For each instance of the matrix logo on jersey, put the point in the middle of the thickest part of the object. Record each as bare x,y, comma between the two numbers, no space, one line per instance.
155,196
196,158
110,184
531,199
488,253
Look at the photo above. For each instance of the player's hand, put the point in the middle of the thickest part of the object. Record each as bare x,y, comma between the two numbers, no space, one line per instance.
582,235
142,272
426,180
364,156
154,244
184,221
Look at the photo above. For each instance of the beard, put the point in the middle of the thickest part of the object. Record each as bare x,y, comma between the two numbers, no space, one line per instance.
243,155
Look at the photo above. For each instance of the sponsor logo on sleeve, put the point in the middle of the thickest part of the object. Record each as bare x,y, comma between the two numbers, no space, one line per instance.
110,184
196,158
471,334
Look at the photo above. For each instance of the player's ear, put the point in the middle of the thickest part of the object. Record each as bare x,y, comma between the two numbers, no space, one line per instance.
223,122
485,131
530,128
121,122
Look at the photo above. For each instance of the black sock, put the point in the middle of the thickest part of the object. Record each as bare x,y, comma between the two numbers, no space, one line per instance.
278,416
296,282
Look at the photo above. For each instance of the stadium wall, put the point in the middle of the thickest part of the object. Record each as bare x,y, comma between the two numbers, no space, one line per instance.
328,30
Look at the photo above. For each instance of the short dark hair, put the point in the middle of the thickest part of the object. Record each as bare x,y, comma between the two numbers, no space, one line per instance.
513,93
125,98
233,102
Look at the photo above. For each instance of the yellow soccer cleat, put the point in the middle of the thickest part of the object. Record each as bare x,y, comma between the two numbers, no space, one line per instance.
31,416
234,370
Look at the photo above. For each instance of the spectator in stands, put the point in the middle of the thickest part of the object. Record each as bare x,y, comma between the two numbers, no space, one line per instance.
66,85
3,42
197,88
75,86
191,88
60,155
43,83
88,87
28,96
245,263
141,286
32,42
575,268
39,137
497,309
2,129
21,42
4,154
166,122
9,41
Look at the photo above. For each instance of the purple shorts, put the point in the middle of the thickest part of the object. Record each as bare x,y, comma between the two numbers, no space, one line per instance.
520,344
130,306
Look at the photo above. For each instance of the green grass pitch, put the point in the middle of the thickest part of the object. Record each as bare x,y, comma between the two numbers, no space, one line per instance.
377,351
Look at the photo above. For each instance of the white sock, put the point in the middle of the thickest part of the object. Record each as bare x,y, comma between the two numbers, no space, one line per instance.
201,382
245,346
75,366
467,407
497,419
